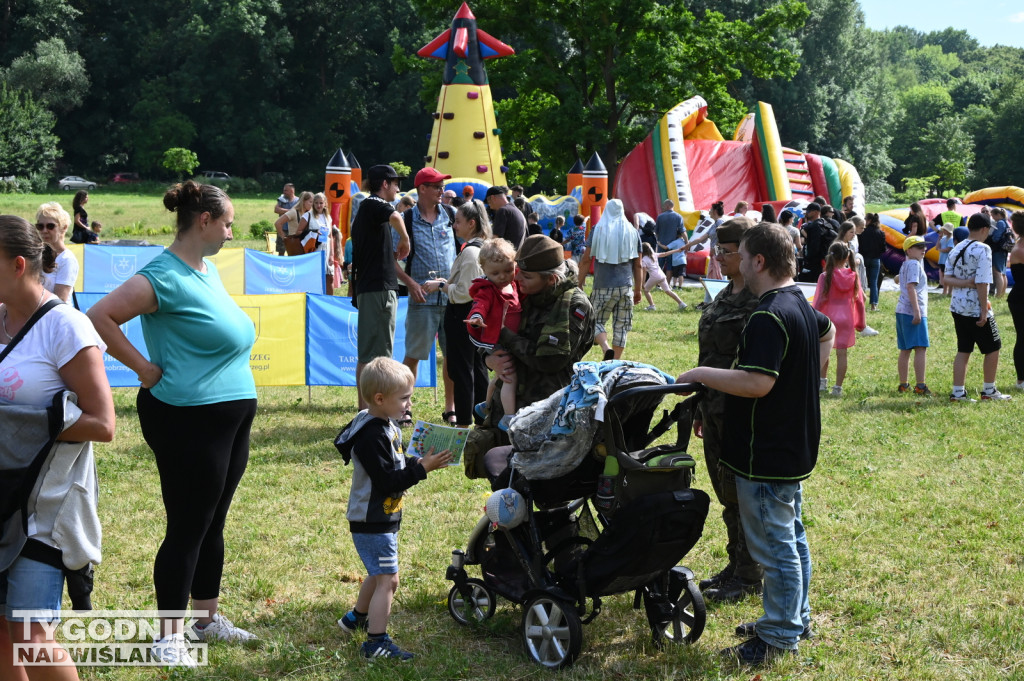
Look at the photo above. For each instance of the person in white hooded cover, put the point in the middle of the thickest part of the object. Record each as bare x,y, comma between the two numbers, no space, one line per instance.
614,246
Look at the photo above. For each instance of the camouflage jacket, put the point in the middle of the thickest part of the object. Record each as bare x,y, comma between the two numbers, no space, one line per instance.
556,330
718,333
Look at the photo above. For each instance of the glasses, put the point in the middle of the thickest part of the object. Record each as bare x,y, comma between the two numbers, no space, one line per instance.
438,187
720,253
46,225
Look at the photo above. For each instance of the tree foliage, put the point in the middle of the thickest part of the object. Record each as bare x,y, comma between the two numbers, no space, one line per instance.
55,77
27,144
180,161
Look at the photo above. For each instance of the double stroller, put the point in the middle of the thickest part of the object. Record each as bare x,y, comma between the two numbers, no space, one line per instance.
619,520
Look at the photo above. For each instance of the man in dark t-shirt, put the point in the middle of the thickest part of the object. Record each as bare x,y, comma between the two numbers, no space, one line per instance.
771,436
374,281
508,222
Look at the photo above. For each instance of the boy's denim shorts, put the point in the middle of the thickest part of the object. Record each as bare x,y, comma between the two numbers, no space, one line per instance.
31,585
379,552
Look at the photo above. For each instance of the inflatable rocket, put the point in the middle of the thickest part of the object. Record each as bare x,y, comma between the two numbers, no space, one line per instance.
464,141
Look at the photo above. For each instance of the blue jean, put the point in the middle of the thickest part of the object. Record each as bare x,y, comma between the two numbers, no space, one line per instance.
33,588
873,267
770,513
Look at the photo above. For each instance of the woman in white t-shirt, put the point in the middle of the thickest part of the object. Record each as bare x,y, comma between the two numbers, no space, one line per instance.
53,221
62,351
288,223
318,220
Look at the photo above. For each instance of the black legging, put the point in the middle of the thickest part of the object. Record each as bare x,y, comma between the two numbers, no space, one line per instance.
1017,312
466,366
201,453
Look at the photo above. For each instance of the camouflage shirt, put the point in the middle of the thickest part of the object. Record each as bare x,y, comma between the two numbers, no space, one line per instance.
718,333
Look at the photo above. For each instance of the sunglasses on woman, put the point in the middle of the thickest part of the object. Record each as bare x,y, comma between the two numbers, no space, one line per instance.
46,225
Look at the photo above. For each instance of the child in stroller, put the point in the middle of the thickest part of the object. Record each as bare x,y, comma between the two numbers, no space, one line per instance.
608,516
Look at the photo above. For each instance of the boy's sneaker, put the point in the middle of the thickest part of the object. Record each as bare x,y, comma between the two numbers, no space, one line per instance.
994,394
349,623
481,410
962,397
651,308
868,331
173,651
756,652
222,629
504,423
837,391
903,388
1020,385
384,647
922,389
682,306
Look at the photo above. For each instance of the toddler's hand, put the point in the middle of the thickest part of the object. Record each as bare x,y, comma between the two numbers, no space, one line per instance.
477,322
432,461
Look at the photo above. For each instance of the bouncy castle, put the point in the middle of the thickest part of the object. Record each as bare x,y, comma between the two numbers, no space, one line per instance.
686,159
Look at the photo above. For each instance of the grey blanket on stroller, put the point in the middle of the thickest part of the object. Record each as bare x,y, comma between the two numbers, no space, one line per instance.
553,436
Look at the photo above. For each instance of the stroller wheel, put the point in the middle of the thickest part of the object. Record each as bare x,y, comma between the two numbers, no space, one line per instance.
552,631
479,606
688,616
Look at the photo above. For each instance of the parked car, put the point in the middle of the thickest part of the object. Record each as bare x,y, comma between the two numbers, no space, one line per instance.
214,175
75,182
124,178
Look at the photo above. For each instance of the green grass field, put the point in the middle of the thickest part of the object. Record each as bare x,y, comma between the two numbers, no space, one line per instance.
914,518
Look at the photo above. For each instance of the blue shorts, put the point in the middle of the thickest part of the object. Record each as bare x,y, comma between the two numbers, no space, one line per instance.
379,552
423,323
31,585
910,335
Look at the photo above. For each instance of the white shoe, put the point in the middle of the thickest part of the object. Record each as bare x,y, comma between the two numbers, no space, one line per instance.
650,308
174,651
1020,385
682,306
221,629
868,331
994,396
837,391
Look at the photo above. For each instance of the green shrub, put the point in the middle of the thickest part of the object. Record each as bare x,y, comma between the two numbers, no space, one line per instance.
258,229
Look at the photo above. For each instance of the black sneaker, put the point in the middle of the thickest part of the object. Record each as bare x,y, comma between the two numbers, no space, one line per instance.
722,577
350,623
749,629
756,652
732,590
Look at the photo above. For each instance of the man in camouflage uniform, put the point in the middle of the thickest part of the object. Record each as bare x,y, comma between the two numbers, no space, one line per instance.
555,331
718,332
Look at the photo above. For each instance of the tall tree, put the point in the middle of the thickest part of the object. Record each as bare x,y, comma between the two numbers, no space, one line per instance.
596,76
28,146
55,77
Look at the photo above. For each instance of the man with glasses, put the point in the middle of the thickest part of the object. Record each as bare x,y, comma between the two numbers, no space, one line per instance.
374,283
431,228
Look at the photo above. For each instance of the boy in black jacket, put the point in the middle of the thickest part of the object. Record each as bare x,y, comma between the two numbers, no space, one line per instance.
381,474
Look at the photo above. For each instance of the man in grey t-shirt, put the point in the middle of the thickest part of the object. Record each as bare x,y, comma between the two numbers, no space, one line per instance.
614,246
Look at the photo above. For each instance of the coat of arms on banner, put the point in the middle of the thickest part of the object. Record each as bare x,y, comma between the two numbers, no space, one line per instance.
283,275
122,266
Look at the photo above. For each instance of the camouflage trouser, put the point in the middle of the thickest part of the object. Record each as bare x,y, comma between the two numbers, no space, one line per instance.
724,482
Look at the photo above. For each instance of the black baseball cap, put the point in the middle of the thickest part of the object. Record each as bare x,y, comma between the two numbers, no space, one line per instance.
383,172
494,191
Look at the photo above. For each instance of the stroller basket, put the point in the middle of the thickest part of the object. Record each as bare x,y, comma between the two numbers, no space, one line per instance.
646,538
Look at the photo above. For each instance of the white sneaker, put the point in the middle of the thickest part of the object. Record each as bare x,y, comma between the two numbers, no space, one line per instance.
868,331
823,386
994,395
682,306
837,391
1020,385
650,308
221,629
173,651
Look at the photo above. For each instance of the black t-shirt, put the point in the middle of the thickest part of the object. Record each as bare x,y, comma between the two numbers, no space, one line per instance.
776,437
556,235
871,243
510,224
373,251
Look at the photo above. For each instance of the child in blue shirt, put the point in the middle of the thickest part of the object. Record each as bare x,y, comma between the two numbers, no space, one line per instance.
912,316
678,258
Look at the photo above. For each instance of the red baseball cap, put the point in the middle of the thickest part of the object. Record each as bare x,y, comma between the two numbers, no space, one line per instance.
429,175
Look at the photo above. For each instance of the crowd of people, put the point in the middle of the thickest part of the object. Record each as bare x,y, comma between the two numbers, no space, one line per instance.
500,301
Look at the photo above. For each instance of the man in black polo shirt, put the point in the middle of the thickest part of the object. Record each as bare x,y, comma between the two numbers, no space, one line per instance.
374,281
772,431
508,221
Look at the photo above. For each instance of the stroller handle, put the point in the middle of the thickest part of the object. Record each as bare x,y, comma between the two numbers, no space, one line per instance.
671,389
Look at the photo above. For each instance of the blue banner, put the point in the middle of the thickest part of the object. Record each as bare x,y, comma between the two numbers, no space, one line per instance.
107,267
118,374
332,343
268,273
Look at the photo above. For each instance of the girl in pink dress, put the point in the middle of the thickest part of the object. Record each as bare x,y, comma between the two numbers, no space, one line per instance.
840,297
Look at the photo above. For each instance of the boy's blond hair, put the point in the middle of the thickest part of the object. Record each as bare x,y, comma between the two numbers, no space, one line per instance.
385,376
496,250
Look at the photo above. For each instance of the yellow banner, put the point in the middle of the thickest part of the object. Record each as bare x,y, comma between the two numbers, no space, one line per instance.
279,355
78,250
230,263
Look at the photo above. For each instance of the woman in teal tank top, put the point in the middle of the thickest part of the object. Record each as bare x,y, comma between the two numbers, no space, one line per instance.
196,404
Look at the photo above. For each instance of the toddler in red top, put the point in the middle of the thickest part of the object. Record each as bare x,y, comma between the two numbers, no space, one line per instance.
496,305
